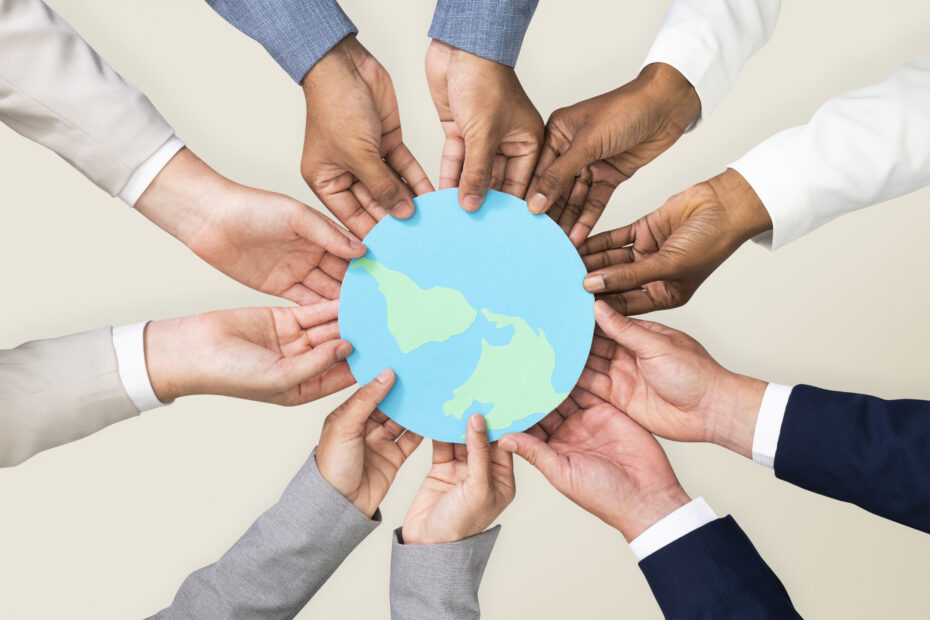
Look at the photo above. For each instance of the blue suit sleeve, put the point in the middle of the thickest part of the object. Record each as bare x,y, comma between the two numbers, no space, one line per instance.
860,449
492,29
715,572
297,33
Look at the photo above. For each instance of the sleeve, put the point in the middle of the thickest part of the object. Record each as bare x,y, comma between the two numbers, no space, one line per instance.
860,449
492,29
297,33
859,149
282,560
439,582
709,41
55,90
59,390
715,572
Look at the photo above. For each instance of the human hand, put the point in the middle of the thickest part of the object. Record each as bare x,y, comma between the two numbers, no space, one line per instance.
493,131
603,461
287,356
264,240
361,449
668,383
354,158
659,261
465,490
593,146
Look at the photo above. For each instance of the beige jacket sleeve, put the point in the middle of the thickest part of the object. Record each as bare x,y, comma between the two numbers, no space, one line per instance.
59,390
55,90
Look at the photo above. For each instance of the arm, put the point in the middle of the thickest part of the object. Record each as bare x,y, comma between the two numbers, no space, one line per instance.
492,29
324,513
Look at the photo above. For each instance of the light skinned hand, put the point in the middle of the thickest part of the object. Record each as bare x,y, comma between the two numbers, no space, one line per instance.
599,458
659,261
267,241
354,156
593,146
668,383
493,131
361,449
466,489
287,356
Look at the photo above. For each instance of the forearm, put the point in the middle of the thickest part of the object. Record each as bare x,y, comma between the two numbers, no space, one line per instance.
283,558
859,149
492,29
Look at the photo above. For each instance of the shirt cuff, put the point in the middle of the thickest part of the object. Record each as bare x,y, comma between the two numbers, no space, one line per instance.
492,29
146,173
768,424
685,520
129,344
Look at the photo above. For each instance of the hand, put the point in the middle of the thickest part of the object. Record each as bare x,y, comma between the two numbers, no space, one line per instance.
355,159
266,241
603,461
465,490
493,131
361,449
669,384
593,146
287,356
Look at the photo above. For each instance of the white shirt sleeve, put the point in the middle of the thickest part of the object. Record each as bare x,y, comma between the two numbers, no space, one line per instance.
709,41
859,149
685,520
148,170
768,424
129,343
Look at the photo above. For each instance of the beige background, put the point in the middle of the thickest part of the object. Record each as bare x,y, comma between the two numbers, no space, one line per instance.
108,527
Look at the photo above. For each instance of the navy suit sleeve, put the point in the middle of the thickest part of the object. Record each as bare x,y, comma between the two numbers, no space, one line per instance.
860,449
715,572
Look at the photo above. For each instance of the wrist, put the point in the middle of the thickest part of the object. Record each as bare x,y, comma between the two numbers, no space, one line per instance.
672,93
747,214
339,60
651,509
168,346
736,410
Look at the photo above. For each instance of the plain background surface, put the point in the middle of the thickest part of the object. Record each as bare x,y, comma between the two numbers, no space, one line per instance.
108,527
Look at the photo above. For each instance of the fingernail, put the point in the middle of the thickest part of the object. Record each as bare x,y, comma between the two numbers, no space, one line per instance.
602,310
538,204
343,351
595,283
507,445
402,209
477,423
472,202
383,376
356,245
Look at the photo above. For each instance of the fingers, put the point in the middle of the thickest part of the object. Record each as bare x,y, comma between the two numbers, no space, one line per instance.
612,239
558,178
479,451
623,330
518,173
632,276
320,230
314,363
385,187
443,452
450,166
476,172
408,442
594,206
352,415
535,451
409,169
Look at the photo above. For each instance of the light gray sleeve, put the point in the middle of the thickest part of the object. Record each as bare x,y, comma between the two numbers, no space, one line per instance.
439,582
58,390
283,558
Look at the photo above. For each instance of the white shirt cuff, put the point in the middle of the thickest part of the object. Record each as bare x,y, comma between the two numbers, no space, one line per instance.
129,343
146,173
768,424
685,520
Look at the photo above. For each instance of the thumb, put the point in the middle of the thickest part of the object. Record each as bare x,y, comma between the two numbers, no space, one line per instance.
384,186
314,363
476,172
320,230
349,419
535,451
556,180
479,452
625,331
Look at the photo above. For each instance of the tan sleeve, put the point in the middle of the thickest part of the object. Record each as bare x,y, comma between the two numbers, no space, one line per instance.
56,391
56,90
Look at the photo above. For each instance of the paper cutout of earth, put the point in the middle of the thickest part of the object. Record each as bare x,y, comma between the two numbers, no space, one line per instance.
475,312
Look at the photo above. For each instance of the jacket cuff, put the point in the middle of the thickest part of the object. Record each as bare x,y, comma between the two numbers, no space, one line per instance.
296,34
439,581
492,29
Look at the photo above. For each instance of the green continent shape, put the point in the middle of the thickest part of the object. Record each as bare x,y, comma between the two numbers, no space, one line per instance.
516,377
416,316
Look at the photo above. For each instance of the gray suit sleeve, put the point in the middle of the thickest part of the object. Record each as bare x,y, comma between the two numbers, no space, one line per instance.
492,29
58,390
297,33
439,582
283,558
